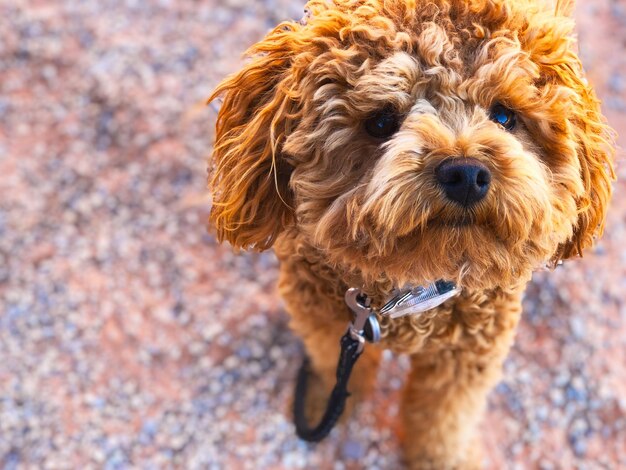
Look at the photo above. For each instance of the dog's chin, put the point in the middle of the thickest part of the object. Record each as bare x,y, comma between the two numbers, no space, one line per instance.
472,252
463,221
460,250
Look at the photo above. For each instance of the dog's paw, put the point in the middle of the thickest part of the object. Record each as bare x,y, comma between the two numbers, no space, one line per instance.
436,458
426,463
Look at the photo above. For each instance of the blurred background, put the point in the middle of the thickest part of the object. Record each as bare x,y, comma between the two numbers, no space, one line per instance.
130,338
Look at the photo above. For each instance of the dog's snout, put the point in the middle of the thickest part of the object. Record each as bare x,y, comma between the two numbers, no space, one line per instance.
464,180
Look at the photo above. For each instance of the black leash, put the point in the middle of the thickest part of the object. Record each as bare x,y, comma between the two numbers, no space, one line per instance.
364,327
350,352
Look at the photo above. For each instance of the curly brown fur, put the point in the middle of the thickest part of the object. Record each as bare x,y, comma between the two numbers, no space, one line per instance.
294,168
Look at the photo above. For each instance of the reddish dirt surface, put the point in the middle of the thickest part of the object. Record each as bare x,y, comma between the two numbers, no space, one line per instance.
130,338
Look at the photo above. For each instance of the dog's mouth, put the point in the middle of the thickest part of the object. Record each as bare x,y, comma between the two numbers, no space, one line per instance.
459,221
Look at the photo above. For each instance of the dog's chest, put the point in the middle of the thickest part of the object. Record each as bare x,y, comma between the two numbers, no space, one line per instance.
311,287
470,321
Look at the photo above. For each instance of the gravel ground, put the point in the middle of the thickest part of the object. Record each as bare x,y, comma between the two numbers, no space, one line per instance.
129,338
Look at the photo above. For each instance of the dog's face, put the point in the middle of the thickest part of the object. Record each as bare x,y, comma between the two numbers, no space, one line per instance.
416,140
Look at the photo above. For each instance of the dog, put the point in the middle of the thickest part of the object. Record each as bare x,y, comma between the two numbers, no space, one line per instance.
386,143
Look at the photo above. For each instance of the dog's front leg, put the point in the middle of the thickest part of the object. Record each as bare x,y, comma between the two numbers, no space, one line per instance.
442,404
320,317
321,339
449,381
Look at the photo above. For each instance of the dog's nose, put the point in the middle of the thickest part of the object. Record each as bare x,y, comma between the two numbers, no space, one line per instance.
464,180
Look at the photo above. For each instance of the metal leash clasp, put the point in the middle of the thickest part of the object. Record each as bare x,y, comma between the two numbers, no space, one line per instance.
364,326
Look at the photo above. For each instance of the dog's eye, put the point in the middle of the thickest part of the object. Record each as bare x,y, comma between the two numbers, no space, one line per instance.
503,116
383,124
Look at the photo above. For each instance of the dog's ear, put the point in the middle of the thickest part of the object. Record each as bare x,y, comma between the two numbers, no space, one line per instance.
248,178
595,150
594,141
